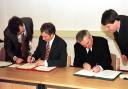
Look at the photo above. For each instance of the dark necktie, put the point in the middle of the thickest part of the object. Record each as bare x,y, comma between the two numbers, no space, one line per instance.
89,51
47,51
116,35
89,54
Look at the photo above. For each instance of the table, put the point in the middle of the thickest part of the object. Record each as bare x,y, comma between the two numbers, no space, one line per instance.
62,77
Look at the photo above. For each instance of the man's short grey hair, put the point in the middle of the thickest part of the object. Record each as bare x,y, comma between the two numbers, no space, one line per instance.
81,34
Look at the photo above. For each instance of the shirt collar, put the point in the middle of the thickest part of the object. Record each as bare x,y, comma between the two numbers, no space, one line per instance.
87,49
51,41
118,30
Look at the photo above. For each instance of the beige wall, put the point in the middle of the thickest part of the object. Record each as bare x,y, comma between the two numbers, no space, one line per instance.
72,34
68,15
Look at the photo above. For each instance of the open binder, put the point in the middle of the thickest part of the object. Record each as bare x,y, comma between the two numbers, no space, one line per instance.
31,66
105,74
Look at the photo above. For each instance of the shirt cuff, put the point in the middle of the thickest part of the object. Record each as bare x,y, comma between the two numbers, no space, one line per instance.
101,69
33,59
14,58
45,63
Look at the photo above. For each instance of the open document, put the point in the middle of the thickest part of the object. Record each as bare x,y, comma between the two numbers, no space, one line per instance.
14,65
32,66
106,74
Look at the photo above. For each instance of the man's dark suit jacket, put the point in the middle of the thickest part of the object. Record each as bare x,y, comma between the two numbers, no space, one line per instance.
58,52
100,54
13,47
122,37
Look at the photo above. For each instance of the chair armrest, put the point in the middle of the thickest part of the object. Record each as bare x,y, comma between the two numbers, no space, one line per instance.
115,62
68,61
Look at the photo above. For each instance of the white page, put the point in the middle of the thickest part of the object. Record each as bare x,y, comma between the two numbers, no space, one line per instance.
27,66
85,73
124,76
43,68
3,63
14,65
110,74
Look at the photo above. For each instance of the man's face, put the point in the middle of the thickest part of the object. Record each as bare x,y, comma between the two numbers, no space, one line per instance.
46,37
21,30
87,41
112,27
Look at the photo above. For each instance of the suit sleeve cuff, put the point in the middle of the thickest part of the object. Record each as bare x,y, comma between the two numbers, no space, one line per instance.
14,58
33,59
101,68
45,63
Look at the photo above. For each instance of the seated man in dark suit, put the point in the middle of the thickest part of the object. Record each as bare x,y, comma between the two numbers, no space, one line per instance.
91,52
51,49
14,41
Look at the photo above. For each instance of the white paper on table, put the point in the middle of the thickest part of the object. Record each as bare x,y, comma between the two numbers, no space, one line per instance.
3,63
14,65
43,68
27,66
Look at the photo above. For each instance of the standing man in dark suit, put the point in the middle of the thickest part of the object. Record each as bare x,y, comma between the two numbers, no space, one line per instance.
118,25
29,31
57,55
91,52
14,41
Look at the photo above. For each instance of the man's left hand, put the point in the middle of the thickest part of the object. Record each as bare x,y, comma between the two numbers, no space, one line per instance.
96,69
40,62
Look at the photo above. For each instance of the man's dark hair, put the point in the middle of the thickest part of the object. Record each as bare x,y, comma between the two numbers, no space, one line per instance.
81,34
14,24
48,28
28,22
109,16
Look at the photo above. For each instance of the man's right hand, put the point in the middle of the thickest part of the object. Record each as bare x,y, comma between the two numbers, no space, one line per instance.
87,66
29,59
124,59
19,60
39,62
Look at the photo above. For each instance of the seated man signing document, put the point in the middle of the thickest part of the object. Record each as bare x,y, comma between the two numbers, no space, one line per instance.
91,52
51,49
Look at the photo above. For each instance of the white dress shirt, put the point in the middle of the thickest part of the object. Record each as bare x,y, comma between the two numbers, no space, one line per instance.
50,43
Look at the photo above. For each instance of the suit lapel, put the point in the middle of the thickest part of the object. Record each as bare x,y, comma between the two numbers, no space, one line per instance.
15,41
94,46
53,46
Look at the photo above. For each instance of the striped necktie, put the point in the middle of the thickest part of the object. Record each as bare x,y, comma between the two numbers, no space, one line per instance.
47,51
23,45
